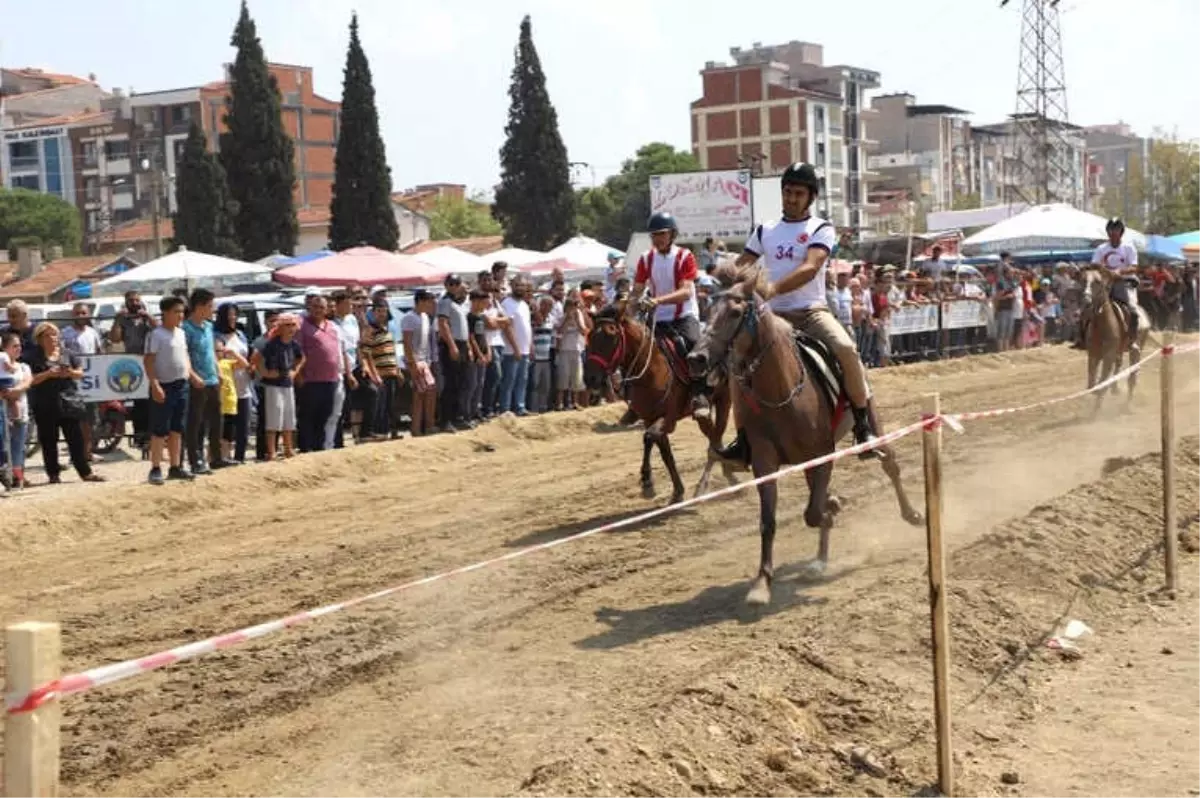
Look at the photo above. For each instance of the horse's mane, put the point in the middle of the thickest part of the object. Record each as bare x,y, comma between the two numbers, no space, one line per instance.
753,277
751,281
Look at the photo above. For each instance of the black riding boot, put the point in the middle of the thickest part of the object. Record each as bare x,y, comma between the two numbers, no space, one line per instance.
1133,330
863,432
739,450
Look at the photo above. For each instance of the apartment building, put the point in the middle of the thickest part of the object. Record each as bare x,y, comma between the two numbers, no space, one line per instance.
1011,146
925,149
1116,157
162,120
779,104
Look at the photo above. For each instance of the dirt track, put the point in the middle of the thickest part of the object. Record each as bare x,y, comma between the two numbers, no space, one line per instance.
624,663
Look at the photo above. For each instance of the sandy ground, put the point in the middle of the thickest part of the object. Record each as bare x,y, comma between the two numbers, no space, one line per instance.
626,663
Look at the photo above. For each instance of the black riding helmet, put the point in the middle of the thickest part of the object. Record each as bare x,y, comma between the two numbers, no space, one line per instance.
661,221
1115,223
802,174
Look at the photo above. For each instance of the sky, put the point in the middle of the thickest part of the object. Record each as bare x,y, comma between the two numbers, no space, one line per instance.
621,73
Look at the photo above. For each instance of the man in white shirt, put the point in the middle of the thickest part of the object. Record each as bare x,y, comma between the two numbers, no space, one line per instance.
665,284
1120,261
796,250
518,337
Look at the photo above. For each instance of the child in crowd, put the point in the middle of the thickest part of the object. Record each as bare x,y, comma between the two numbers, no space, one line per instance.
571,332
169,370
279,363
480,349
229,398
543,342
417,354
15,379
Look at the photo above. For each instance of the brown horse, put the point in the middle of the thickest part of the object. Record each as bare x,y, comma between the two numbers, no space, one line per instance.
788,418
1107,336
658,392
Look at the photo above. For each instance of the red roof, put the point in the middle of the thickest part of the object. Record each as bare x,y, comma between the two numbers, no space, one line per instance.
54,78
68,119
479,245
54,276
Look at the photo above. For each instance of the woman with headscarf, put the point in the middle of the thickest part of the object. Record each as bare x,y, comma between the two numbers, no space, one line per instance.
57,404
236,352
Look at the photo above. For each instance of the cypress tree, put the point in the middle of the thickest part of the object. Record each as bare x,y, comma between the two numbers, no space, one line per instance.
258,155
535,202
204,219
361,209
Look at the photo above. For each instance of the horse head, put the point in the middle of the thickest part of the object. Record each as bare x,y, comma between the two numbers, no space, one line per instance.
608,345
733,320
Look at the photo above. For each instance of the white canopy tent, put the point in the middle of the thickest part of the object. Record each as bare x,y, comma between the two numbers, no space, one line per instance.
515,256
184,269
1045,228
453,260
584,251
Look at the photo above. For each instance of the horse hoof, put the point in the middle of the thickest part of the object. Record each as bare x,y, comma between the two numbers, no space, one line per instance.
647,490
760,593
915,518
676,497
835,504
816,568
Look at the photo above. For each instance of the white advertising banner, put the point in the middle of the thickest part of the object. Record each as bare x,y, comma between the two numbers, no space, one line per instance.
962,314
109,377
909,319
706,204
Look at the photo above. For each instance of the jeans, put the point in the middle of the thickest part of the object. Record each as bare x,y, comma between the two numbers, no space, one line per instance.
542,385
366,398
314,406
17,434
514,383
386,419
334,424
478,380
203,418
237,429
260,424
491,383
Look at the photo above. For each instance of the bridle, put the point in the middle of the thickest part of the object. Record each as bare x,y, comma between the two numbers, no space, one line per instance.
617,357
744,372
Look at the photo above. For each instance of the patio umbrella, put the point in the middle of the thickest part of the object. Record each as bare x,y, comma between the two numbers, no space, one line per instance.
363,266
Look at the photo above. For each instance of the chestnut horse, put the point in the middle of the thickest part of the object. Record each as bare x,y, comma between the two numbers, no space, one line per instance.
787,418
657,392
1108,334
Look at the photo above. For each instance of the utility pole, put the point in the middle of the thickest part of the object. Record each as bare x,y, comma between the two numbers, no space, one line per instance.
155,209
1046,167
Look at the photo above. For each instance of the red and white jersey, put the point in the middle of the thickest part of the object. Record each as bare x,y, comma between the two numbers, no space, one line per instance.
663,274
1115,258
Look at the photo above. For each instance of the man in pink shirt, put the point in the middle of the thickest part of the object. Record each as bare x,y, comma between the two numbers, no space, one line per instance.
324,365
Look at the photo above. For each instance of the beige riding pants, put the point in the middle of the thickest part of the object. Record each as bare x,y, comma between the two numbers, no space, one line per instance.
820,323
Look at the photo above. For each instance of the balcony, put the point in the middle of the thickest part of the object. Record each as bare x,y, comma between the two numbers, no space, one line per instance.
25,163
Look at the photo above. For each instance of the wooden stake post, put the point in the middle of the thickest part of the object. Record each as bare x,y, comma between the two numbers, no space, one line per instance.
1167,378
932,439
31,739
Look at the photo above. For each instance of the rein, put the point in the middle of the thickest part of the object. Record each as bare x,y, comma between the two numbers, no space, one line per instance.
745,374
617,357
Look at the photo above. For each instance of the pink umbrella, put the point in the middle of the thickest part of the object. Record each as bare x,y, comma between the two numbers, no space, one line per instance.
363,266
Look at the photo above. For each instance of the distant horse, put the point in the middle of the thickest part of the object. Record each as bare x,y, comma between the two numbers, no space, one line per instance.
657,379
790,401
1108,333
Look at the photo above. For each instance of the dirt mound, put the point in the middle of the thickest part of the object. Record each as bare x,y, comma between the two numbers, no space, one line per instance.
801,715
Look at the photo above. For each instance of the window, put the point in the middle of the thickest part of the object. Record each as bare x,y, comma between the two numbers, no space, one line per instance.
23,155
819,118
91,188
31,182
291,98
54,178
144,116
820,153
116,150
180,115
89,154
179,145
123,215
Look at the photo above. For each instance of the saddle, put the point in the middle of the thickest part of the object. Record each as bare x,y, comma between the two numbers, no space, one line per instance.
825,371
676,350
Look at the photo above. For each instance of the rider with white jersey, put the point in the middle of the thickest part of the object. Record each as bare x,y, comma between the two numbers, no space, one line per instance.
795,250
1120,260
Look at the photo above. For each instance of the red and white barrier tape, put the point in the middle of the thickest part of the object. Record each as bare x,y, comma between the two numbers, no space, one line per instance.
108,674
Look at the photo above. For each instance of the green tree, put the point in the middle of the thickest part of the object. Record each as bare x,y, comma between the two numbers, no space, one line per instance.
451,217
534,203
1160,194
28,214
204,219
361,209
257,153
965,202
612,212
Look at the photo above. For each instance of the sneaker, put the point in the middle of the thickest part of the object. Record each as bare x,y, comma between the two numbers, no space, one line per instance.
448,428
202,470
156,476
177,474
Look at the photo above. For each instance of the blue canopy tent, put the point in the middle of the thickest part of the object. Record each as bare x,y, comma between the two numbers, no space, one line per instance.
1163,248
1183,239
283,261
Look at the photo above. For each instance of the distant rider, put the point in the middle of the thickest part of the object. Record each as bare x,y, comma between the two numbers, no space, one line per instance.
796,250
1120,259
